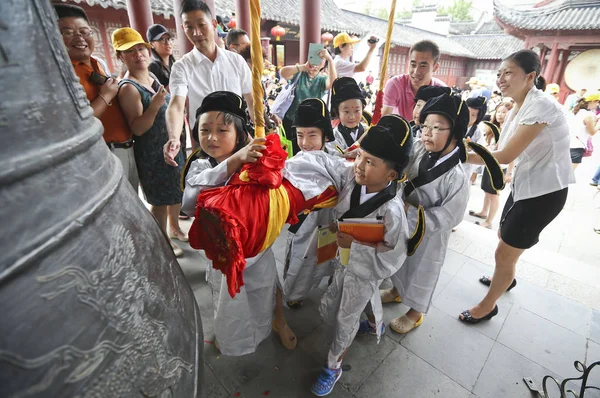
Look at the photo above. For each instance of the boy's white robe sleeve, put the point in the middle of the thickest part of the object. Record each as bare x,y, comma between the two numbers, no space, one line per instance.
201,176
383,260
449,213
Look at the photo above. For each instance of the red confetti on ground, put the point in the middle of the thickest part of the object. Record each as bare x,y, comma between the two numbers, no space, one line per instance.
209,342
267,392
237,394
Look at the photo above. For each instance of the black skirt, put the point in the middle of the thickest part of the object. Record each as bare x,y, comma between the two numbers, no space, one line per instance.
486,184
523,221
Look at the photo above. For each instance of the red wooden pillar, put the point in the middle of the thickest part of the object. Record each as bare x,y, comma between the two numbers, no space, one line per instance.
140,15
242,15
310,26
549,72
543,53
560,72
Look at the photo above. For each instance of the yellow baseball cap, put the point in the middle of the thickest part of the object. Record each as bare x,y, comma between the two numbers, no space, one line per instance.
595,96
553,88
344,38
472,80
125,38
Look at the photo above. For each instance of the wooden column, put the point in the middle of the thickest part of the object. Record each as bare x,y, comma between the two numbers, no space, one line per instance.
549,72
310,26
543,53
560,73
140,15
242,15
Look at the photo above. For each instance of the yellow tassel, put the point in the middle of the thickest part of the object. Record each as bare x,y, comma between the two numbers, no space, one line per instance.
404,177
244,176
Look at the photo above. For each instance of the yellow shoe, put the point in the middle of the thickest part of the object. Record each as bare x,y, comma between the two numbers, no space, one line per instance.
387,296
404,324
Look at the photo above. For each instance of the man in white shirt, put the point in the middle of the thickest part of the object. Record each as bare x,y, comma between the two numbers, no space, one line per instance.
344,49
204,70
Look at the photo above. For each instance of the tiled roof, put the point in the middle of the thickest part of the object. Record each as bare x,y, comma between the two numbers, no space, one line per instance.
490,46
406,36
489,28
287,11
566,15
462,28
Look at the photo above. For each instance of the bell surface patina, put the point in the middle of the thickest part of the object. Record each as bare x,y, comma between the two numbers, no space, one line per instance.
92,300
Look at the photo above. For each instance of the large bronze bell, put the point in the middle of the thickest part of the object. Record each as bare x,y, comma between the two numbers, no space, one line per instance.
92,300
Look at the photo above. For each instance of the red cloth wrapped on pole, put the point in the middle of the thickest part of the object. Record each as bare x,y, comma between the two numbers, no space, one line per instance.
242,219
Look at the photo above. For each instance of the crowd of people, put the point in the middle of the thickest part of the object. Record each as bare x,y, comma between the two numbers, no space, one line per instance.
412,166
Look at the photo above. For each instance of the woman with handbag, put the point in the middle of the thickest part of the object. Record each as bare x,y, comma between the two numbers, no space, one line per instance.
582,128
307,82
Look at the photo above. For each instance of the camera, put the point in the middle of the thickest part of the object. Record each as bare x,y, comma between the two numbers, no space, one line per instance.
373,40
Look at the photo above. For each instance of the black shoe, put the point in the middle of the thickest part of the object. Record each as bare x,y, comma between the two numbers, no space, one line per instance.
468,318
594,184
487,281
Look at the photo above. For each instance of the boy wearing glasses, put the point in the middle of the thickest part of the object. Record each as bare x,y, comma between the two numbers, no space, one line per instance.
437,182
100,88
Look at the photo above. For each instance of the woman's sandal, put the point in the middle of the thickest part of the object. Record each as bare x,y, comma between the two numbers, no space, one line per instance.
475,214
468,318
484,226
487,281
287,337
404,324
387,296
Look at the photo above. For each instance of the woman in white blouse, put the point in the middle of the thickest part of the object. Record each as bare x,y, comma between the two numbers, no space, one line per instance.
539,144
582,126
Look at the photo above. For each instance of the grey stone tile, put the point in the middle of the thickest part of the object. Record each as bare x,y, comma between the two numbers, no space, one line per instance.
317,343
235,371
502,375
443,281
481,253
460,295
459,242
364,356
453,262
542,341
532,273
577,291
454,348
212,387
294,378
595,327
404,374
553,307
306,319
472,270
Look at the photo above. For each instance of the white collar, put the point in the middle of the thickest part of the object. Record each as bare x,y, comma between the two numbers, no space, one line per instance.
199,57
445,157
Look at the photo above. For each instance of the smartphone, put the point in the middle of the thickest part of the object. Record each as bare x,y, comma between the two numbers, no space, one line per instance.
155,86
98,79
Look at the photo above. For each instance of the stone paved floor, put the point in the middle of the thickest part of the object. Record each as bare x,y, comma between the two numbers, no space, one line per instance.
551,319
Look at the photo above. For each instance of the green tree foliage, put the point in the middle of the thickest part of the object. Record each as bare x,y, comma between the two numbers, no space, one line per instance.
460,10
382,13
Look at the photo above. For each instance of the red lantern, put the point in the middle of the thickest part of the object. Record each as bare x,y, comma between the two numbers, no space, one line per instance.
326,37
277,31
232,24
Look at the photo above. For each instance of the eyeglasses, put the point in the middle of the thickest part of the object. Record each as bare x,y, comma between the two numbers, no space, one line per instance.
83,32
434,130
164,40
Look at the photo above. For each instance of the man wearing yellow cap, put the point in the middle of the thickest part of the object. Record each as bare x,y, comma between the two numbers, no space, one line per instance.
100,88
554,90
344,49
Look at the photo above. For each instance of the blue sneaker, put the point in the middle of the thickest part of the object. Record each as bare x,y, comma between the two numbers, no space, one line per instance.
327,379
365,328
